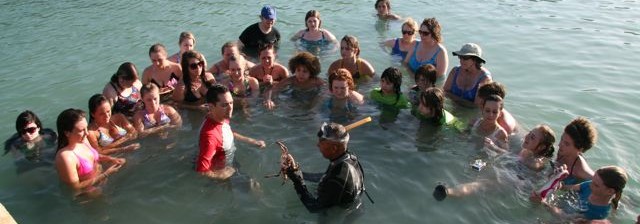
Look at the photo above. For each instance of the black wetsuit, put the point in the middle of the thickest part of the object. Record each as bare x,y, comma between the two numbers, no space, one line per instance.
341,185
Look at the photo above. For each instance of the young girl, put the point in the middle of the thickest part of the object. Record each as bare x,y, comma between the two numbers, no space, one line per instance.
578,137
268,72
186,42
425,77
304,83
432,108
596,196
350,52
343,100
314,35
162,72
495,137
240,84
107,132
384,10
155,117
30,139
389,93
191,90
537,148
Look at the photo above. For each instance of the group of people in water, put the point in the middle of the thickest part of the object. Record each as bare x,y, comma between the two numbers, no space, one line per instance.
132,107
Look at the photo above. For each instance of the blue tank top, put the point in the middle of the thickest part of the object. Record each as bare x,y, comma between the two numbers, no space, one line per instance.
469,94
396,49
414,63
591,211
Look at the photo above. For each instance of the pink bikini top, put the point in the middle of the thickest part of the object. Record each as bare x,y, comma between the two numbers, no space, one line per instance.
85,166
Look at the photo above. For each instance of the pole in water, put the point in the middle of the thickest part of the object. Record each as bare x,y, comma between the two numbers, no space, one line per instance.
357,123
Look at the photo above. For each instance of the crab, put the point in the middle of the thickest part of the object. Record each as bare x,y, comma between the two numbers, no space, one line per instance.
285,163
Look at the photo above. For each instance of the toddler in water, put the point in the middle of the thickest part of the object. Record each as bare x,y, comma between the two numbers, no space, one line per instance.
305,83
425,77
432,108
596,197
389,93
506,120
495,137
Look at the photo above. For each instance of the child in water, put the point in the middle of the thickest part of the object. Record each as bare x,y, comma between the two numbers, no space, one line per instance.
30,138
495,137
305,83
432,108
596,196
389,93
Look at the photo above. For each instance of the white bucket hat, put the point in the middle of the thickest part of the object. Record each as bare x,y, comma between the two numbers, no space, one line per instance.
470,49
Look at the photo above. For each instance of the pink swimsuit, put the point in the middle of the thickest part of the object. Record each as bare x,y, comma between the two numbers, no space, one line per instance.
85,166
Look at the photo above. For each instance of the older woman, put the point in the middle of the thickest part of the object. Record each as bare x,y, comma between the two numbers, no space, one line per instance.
78,163
195,81
359,68
463,81
162,72
313,35
268,72
187,42
123,90
429,50
108,132
384,10
220,69
401,46
155,117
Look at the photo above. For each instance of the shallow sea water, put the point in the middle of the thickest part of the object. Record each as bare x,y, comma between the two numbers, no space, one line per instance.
558,59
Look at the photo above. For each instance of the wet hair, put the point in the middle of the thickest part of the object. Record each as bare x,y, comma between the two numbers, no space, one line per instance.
264,47
95,101
429,72
147,88
394,76
433,98
308,60
386,2
492,88
312,13
229,44
186,77
186,36
548,138
352,42
615,178
66,122
494,98
341,75
214,91
411,24
157,48
582,132
434,28
25,118
127,71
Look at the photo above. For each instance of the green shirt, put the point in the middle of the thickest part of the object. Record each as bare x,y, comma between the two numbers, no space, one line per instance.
399,102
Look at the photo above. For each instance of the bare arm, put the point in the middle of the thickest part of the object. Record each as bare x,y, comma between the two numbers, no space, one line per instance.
298,35
356,97
367,68
442,61
249,140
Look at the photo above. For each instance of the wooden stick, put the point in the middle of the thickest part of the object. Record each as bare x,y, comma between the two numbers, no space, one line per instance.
357,123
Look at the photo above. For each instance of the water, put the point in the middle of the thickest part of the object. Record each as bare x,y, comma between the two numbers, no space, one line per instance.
558,59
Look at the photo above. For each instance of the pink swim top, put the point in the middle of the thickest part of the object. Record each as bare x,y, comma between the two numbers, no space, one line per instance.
85,166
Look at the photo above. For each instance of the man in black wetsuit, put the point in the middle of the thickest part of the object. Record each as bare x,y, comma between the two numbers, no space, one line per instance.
342,183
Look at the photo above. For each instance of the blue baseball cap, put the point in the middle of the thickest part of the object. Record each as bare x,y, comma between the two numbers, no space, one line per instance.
268,12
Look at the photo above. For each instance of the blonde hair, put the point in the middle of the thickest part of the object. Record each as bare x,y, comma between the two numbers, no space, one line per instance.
186,36
411,24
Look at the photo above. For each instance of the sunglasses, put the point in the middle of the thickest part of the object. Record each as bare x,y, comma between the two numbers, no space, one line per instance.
29,130
195,66
408,32
424,33
465,57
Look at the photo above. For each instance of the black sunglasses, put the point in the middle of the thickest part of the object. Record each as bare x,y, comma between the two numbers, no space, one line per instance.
408,32
194,66
29,130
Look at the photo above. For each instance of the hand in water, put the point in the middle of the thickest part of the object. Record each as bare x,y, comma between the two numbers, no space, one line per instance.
132,147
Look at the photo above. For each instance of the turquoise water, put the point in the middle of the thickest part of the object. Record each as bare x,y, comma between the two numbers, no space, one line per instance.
558,59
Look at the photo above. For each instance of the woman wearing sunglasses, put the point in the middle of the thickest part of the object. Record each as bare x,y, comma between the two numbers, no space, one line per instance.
29,141
464,81
429,50
195,81
401,46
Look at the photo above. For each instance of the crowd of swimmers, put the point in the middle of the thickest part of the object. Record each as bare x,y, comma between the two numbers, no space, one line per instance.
132,107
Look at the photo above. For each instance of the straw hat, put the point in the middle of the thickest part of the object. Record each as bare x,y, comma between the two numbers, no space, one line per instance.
470,49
